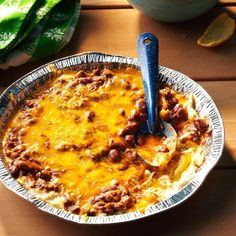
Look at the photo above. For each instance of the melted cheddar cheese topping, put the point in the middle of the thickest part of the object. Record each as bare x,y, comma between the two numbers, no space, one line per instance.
74,143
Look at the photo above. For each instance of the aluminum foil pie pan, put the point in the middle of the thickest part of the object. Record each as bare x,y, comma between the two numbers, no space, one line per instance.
205,106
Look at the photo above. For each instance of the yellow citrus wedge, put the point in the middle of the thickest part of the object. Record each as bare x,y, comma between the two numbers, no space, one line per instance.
220,30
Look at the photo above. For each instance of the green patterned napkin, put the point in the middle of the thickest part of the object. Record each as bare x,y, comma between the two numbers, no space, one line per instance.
32,29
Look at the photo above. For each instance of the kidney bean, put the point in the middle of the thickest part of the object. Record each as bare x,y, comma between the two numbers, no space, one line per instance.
124,165
134,116
173,118
177,114
114,155
14,171
172,102
129,129
141,104
96,72
30,103
12,155
122,112
168,94
209,133
195,138
182,113
44,174
52,187
10,144
140,140
108,210
130,139
92,212
68,201
201,125
80,74
74,209
108,73
116,145
131,154
90,116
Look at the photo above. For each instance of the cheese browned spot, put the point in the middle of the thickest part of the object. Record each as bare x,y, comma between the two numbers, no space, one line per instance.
73,145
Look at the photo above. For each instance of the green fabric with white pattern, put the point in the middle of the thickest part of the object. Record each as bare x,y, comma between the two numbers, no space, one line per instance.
32,29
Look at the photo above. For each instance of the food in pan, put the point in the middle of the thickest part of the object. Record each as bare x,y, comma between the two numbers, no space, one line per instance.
75,143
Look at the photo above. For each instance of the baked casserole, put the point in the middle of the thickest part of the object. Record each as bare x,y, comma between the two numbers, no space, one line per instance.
75,143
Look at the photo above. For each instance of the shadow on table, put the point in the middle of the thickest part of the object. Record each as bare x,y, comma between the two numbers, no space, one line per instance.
227,160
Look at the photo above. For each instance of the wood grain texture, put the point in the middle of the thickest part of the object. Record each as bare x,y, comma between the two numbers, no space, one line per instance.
224,95
124,3
227,2
178,48
104,2
210,211
116,31
92,4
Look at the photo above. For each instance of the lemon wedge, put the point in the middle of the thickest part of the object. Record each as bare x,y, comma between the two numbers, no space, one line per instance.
219,31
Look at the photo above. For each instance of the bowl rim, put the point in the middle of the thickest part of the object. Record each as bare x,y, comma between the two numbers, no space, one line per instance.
95,58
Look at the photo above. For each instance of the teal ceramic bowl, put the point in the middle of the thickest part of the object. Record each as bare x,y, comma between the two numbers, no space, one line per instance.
173,10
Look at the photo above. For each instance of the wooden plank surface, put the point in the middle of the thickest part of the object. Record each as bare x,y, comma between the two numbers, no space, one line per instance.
91,4
228,2
125,3
210,211
104,2
106,31
178,48
224,95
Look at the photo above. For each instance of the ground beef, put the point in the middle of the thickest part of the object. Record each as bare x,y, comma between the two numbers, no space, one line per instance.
111,200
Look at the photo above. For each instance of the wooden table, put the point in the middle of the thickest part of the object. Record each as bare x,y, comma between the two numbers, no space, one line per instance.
113,26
